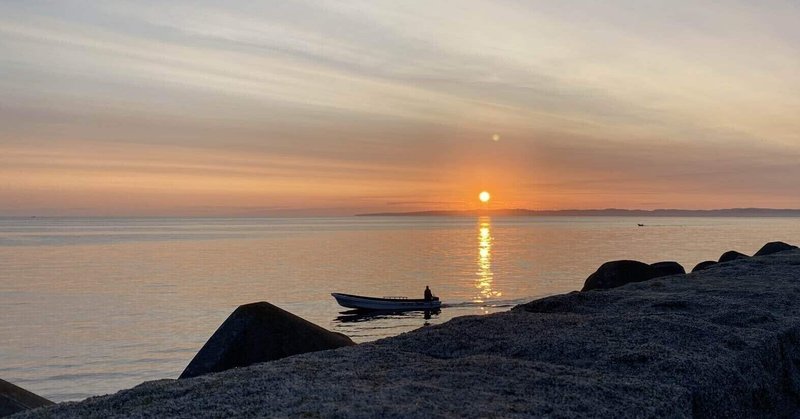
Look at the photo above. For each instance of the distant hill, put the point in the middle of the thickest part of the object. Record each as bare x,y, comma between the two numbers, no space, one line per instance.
609,212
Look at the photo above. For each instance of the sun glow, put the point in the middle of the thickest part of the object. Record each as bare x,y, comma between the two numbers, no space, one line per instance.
484,196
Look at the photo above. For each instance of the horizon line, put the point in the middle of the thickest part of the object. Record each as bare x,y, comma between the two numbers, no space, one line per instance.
610,211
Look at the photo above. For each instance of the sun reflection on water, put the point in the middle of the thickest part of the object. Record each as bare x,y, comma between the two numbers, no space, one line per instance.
485,276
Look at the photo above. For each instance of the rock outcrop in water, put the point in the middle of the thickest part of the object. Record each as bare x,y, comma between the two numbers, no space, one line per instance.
260,332
703,265
668,268
723,343
732,255
620,272
774,247
14,399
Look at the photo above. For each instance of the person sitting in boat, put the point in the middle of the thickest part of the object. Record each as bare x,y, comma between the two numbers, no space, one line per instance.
428,294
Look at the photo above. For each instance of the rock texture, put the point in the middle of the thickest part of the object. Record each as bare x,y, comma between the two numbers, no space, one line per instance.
774,247
732,255
15,399
260,332
724,343
703,265
620,272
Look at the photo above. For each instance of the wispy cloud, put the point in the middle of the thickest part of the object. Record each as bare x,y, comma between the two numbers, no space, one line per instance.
309,102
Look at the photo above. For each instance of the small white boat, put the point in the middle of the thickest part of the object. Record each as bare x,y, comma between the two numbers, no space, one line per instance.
386,303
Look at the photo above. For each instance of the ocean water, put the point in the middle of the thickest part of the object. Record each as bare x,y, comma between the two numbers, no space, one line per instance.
94,305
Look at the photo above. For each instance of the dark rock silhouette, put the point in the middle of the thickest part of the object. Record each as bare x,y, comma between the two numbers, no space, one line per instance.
618,273
260,332
15,399
732,255
774,247
668,268
703,265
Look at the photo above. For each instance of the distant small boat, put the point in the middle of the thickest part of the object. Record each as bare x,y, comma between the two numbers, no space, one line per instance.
360,302
640,225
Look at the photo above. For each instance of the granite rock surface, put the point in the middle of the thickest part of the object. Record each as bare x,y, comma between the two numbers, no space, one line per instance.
14,399
260,332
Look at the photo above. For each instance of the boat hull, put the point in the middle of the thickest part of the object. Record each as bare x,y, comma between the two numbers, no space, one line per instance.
359,302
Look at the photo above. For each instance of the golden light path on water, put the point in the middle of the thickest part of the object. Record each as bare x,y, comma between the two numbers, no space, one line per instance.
485,279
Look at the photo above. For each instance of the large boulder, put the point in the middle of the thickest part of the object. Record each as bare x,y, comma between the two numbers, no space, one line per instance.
260,332
774,247
618,273
703,265
15,399
732,255
668,268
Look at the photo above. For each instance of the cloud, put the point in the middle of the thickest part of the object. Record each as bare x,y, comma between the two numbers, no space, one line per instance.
437,203
323,98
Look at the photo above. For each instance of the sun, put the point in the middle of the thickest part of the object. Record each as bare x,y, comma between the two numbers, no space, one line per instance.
484,196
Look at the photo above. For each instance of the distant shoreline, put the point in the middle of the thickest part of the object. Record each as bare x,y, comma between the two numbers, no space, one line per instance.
520,212
608,212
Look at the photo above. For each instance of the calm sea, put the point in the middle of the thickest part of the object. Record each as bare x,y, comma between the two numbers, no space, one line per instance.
91,306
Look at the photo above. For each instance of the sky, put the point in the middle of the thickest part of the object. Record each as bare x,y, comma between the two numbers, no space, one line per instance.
241,108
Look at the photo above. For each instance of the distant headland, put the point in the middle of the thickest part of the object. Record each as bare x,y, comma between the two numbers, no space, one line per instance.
608,212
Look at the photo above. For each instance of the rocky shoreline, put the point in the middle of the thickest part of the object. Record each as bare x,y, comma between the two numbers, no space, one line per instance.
720,342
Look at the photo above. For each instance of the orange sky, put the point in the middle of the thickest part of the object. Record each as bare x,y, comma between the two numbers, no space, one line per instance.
335,108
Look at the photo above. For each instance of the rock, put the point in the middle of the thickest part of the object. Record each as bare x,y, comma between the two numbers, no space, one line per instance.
774,247
703,265
668,268
618,273
15,399
732,255
260,332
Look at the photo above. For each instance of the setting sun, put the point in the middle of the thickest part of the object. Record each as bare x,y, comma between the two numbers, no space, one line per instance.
484,196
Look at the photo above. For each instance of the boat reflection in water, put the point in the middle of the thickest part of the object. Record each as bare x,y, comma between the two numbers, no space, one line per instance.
364,326
354,316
